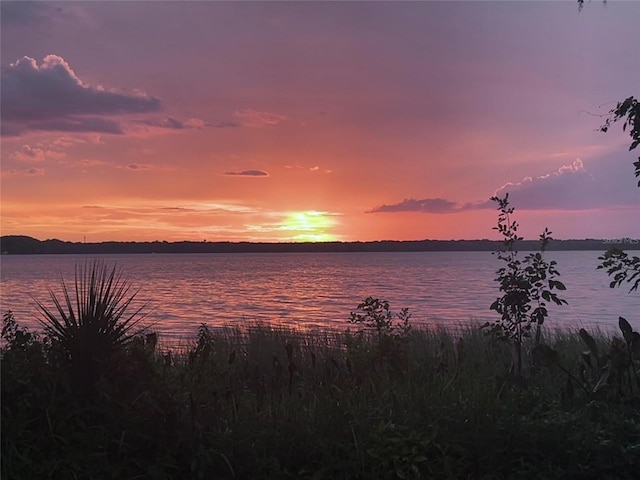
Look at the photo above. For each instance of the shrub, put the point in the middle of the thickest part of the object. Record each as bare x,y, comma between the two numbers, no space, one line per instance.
88,328
526,285
390,332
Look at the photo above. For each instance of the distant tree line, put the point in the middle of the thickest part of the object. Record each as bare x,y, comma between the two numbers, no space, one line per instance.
24,245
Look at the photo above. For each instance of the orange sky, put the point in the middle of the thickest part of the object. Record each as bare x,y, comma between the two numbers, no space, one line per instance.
285,121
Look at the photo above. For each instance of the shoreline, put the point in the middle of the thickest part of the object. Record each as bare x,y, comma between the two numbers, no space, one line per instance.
24,245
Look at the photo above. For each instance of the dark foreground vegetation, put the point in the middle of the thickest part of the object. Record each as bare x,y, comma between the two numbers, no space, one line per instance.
378,401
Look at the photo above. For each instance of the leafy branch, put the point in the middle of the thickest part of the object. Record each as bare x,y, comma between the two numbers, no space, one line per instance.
617,263
629,111
622,267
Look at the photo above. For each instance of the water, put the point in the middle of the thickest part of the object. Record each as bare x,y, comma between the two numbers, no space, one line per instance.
307,290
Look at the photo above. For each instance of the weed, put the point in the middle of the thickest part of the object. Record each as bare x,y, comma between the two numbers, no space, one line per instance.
390,333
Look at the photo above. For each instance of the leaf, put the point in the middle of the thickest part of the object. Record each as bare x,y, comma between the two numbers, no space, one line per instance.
626,330
556,284
545,356
586,358
591,343
557,300
569,389
635,344
603,380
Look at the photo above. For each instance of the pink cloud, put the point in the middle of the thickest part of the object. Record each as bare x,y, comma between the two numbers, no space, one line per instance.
31,154
90,162
254,118
64,142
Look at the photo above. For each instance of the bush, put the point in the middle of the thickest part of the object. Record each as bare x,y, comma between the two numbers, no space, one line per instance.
87,328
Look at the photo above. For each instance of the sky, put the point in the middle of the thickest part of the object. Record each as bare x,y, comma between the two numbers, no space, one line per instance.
315,121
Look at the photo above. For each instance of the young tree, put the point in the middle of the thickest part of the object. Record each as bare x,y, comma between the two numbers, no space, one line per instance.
526,286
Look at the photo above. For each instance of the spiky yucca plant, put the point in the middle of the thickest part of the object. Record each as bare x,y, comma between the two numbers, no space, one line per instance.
87,329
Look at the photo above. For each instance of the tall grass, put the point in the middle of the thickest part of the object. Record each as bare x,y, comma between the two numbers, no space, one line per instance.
263,402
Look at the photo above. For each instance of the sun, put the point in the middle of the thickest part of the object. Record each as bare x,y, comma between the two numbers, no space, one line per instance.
310,226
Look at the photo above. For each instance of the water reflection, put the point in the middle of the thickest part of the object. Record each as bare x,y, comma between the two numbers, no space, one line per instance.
316,290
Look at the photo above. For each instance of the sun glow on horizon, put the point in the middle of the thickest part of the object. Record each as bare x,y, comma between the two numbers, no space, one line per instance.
310,226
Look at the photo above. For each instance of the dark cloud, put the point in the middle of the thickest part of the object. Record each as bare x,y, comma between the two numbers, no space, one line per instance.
50,96
26,12
7,130
426,205
178,209
248,173
571,187
175,124
35,171
227,125
137,166
77,124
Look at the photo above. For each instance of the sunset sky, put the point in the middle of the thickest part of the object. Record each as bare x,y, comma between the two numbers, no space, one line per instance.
314,121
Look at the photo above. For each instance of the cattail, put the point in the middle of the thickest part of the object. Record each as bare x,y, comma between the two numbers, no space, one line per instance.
460,351
151,340
313,360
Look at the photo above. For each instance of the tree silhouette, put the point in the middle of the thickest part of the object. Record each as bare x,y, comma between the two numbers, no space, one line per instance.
615,261
629,111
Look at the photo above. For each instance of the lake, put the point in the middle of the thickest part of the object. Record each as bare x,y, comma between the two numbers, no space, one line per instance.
308,290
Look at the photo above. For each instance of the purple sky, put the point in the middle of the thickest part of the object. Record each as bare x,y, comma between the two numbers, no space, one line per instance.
315,120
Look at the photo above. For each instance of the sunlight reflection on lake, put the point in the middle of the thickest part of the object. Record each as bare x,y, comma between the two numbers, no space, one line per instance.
307,290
